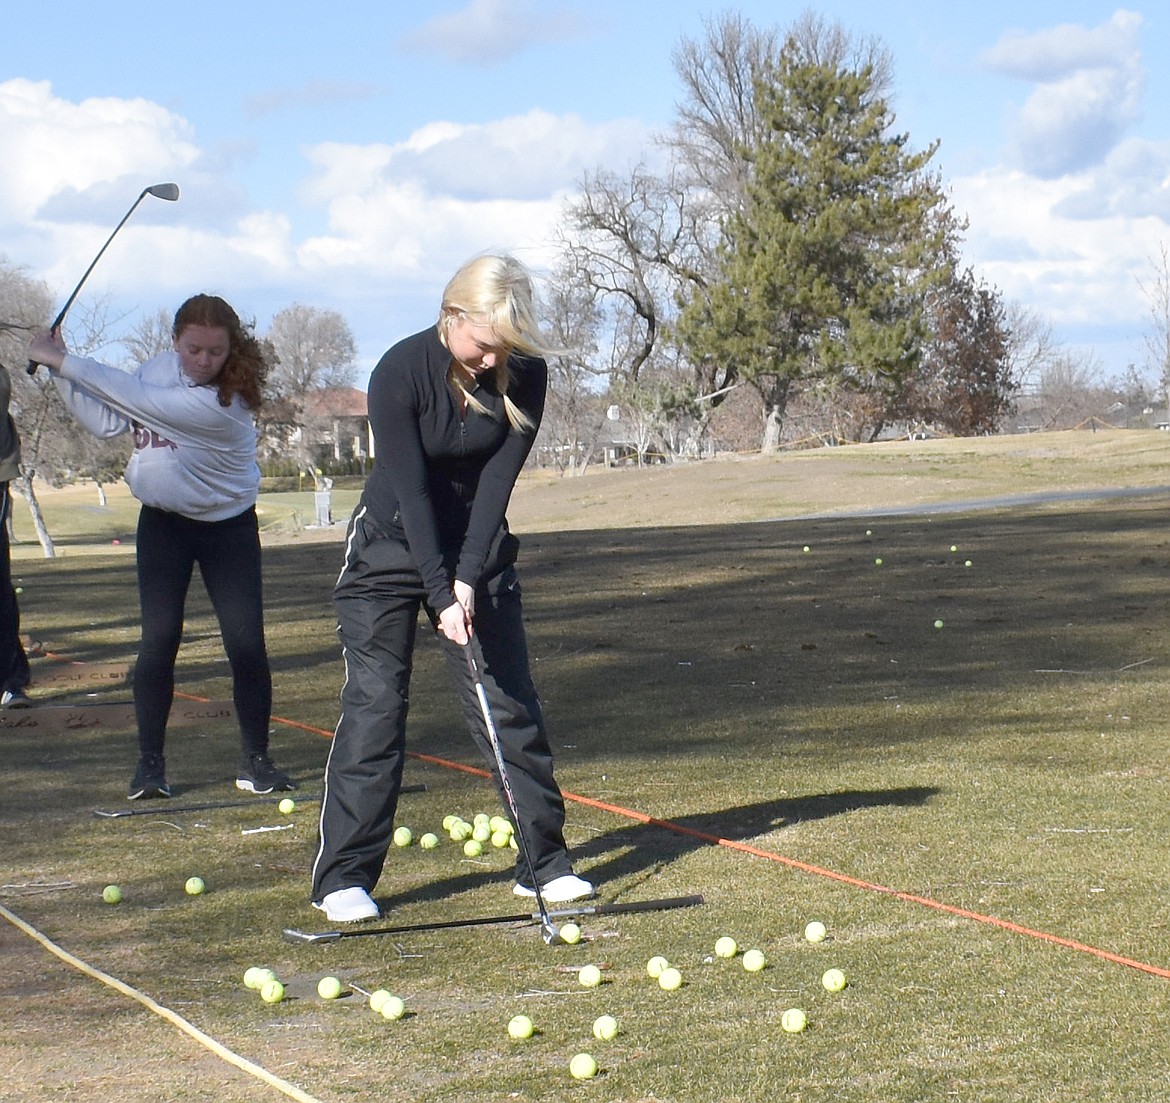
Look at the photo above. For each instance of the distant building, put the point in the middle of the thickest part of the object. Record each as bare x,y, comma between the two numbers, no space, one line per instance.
327,427
338,418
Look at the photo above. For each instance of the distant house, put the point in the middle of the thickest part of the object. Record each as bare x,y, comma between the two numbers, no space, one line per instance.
337,419
328,427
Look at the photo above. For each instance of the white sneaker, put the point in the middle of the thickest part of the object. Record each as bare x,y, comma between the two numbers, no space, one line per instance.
560,890
348,906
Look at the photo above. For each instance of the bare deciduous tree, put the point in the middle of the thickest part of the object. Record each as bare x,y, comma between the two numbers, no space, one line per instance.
151,336
716,123
314,349
1157,340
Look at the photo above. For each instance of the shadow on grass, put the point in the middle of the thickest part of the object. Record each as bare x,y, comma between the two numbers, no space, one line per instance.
656,643
632,854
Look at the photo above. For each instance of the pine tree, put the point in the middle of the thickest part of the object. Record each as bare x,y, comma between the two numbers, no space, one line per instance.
824,272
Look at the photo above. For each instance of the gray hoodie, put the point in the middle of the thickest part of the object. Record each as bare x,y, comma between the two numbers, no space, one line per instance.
192,456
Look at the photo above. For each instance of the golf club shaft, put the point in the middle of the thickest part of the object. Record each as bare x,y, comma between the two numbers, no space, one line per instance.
505,783
578,910
164,191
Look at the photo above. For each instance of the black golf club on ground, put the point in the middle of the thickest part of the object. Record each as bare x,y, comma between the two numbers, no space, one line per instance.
166,808
291,934
547,929
169,192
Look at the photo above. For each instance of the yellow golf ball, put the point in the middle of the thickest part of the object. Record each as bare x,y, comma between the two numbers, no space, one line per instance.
833,980
815,931
520,1027
570,933
272,992
589,976
655,966
605,1028
583,1067
793,1020
670,978
328,988
393,1007
377,998
726,947
754,961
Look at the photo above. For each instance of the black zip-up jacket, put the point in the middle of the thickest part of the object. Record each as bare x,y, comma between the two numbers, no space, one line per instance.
441,479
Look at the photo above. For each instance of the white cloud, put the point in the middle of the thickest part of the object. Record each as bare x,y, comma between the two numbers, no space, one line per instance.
1132,182
451,189
1077,272
58,151
487,32
1090,81
1055,52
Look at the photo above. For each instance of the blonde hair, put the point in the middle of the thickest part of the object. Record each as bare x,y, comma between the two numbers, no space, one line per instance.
496,290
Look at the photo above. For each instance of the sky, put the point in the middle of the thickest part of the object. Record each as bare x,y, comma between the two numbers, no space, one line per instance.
353,161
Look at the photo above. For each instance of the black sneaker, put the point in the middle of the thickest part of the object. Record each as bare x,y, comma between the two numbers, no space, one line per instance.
259,775
150,779
15,699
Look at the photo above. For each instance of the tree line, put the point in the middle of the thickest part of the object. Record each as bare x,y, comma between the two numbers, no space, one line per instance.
783,267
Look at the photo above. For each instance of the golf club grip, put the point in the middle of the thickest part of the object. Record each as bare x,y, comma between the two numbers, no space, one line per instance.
33,364
642,905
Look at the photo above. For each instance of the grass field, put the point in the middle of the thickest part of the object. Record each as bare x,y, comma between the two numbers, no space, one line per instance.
757,712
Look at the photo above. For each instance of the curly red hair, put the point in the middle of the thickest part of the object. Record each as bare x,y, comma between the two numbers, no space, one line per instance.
246,369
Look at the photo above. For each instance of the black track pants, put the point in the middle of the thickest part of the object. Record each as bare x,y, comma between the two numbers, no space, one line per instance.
14,672
228,554
377,600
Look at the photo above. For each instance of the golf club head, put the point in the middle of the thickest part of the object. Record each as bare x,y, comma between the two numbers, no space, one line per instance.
551,936
292,935
169,192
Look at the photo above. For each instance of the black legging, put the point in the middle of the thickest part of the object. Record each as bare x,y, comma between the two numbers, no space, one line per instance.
228,554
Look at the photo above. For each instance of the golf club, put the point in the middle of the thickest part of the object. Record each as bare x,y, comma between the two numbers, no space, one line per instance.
547,929
162,808
169,192
291,934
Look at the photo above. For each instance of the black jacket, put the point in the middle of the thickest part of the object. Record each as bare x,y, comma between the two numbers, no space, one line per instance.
441,479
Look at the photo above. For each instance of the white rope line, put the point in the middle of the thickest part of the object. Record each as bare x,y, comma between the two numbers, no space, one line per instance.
220,1050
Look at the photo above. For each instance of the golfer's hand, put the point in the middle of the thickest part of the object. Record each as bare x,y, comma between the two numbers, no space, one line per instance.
465,595
48,348
455,624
